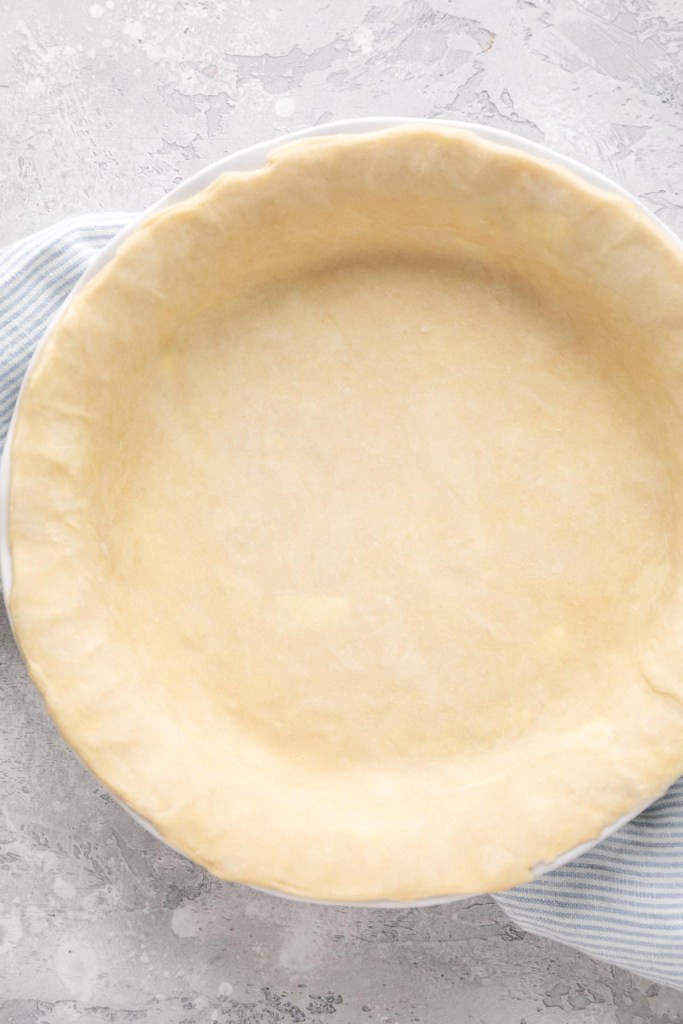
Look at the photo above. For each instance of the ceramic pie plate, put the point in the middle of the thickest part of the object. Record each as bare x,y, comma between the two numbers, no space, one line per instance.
342,526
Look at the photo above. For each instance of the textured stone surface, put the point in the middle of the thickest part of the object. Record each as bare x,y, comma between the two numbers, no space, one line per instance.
107,105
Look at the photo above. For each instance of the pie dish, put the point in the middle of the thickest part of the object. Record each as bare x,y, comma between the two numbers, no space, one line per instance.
345,517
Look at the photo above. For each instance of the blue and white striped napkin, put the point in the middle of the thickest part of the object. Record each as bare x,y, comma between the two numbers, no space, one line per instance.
623,901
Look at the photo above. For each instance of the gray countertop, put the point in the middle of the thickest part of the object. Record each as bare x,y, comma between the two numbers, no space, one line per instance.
107,105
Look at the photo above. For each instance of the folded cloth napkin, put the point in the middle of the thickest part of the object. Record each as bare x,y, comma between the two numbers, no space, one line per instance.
623,901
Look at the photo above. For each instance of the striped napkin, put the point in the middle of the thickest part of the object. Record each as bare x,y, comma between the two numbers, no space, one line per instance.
623,901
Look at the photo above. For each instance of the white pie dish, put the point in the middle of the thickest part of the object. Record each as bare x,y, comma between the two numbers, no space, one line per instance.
254,158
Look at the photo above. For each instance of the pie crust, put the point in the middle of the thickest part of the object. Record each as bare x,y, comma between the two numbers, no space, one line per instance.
345,517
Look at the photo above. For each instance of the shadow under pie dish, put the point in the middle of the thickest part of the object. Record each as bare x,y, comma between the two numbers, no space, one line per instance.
345,517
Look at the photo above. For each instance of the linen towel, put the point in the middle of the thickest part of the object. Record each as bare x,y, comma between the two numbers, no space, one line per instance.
623,901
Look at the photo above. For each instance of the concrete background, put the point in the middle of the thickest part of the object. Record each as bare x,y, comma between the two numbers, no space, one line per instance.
106,105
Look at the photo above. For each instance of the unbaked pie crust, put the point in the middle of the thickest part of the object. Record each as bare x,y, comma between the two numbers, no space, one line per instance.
345,517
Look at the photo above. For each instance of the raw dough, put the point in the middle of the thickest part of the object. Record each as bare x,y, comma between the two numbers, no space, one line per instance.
346,517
